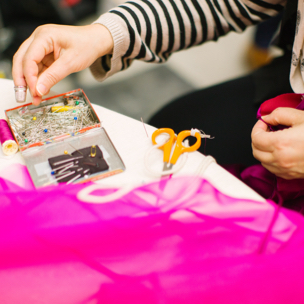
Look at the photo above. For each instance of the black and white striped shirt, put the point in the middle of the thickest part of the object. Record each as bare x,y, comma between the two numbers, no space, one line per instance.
151,30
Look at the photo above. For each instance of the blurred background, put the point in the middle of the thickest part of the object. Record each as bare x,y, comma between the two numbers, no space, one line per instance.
144,88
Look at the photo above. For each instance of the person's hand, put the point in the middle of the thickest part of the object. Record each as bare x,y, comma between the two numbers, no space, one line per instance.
281,152
53,52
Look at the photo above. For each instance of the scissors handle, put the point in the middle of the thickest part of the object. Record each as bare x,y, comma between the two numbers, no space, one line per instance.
179,148
167,146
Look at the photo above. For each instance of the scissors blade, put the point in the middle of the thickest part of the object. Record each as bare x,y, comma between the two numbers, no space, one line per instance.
167,167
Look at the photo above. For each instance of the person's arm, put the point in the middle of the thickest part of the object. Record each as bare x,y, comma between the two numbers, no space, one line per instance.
151,30
281,152
148,30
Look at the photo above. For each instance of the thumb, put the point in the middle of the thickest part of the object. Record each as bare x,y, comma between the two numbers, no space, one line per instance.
51,76
259,127
284,116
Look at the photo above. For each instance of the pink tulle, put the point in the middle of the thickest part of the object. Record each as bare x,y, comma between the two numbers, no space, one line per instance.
181,242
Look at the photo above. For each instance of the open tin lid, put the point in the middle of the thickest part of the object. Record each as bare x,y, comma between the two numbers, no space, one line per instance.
60,126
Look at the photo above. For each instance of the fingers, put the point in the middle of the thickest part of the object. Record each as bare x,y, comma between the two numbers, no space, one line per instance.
27,64
28,60
259,127
283,173
284,116
37,51
280,152
17,69
261,138
263,157
55,51
57,71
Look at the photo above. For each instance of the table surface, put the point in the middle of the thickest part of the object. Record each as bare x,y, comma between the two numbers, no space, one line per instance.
129,136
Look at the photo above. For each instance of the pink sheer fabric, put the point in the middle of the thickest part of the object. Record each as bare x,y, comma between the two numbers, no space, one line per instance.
175,241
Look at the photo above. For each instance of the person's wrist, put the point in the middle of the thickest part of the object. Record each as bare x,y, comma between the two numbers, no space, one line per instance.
103,38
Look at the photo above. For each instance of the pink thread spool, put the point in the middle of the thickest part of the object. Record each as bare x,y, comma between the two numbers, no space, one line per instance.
8,143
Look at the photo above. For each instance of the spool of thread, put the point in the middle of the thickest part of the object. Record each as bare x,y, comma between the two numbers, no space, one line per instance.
8,143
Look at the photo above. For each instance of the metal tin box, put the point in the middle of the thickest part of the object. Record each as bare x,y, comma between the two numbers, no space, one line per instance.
61,124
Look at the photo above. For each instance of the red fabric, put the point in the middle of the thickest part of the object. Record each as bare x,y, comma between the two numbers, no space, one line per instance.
69,3
289,192
285,100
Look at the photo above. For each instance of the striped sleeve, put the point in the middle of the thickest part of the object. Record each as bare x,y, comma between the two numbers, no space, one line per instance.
151,30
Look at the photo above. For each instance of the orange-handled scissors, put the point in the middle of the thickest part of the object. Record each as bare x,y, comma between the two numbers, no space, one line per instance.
179,147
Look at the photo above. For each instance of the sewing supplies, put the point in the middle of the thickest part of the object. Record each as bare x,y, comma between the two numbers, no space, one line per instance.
170,162
49,131
67,160
8,143
76,149
59,178
66,168
144,126
20,93
179,148
73,179
48,124
64,108
98,165
93,151
63,166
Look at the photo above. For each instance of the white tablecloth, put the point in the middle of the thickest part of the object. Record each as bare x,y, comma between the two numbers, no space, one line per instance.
131,141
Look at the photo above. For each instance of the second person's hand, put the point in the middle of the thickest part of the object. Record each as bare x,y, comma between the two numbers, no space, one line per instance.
281,152
53,52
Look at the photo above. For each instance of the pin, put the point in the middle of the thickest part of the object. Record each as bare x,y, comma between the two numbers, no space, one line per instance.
59,178
144,126
75,121
93,153
73,179
59,174
66,168
75,149
63,166
66,160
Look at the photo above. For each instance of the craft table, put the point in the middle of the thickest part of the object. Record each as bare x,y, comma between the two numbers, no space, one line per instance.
131,141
